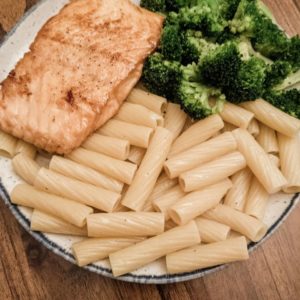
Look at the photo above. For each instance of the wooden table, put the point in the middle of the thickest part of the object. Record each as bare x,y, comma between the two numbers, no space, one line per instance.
29,271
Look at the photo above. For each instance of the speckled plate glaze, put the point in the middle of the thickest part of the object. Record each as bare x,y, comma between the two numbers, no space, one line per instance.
11,50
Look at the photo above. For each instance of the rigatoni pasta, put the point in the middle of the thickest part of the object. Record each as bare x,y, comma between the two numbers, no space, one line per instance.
137,135
212,231
65,209
196,203
267,139
253,128
136,155
169,198
122,224
43,222
212,172
85,174
238,221
153,102
257,200
25,167
273,117
117,169
175,119
236,115
259,162
76,190
25,148
140,115
94,249
111,146
7,144
198,154
204,256
237,195
133,257
289,151
196,134
149,170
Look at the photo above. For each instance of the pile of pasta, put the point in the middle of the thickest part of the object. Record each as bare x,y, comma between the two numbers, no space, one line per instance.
152,183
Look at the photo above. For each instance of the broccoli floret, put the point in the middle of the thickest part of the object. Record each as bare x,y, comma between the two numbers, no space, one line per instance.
236,69
195,97
220,65
175,5
291,80
161,76
292,55
287,101
248,84
276,73
202,17
225,36
194,46
230,8
170,43
252,19
154,5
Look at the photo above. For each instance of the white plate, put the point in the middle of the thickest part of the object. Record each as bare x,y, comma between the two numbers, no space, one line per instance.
11,50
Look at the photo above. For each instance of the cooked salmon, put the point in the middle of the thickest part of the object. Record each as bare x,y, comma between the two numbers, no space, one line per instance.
80,68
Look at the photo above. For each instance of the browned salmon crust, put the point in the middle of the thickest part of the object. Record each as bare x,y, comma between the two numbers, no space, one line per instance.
80,68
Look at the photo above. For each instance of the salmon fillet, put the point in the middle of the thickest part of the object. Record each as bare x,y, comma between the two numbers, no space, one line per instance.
80,68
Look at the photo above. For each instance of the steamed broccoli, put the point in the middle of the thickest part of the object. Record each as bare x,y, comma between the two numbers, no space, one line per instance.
195,97
236,69
292,55
276,73
161,76
287,101
253,20
291,80
154,5
170,43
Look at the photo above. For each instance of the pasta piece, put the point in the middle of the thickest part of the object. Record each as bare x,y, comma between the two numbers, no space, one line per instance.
169,198
85,174
204,256
188,123
65,209
196,134
238,221
25,148
7,144
290,162
94,249
253,128
228,127
25,167
195,204
149,170
137,135
236,115
43,222
117,169
153,102
122,224
273,117
169,225
275,159
257,200
140,115
133,257
259,162
199,154
175,119
211,231
136,155
120,208
267,139
162,185
111,146
237,195
76,190
212,172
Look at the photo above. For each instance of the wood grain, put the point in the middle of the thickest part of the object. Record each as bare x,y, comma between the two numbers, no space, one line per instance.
29,271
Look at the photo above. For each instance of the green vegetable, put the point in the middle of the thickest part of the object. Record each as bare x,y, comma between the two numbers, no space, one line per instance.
154,5
287,101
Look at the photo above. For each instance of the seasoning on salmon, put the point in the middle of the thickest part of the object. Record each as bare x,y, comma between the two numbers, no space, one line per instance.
80,68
